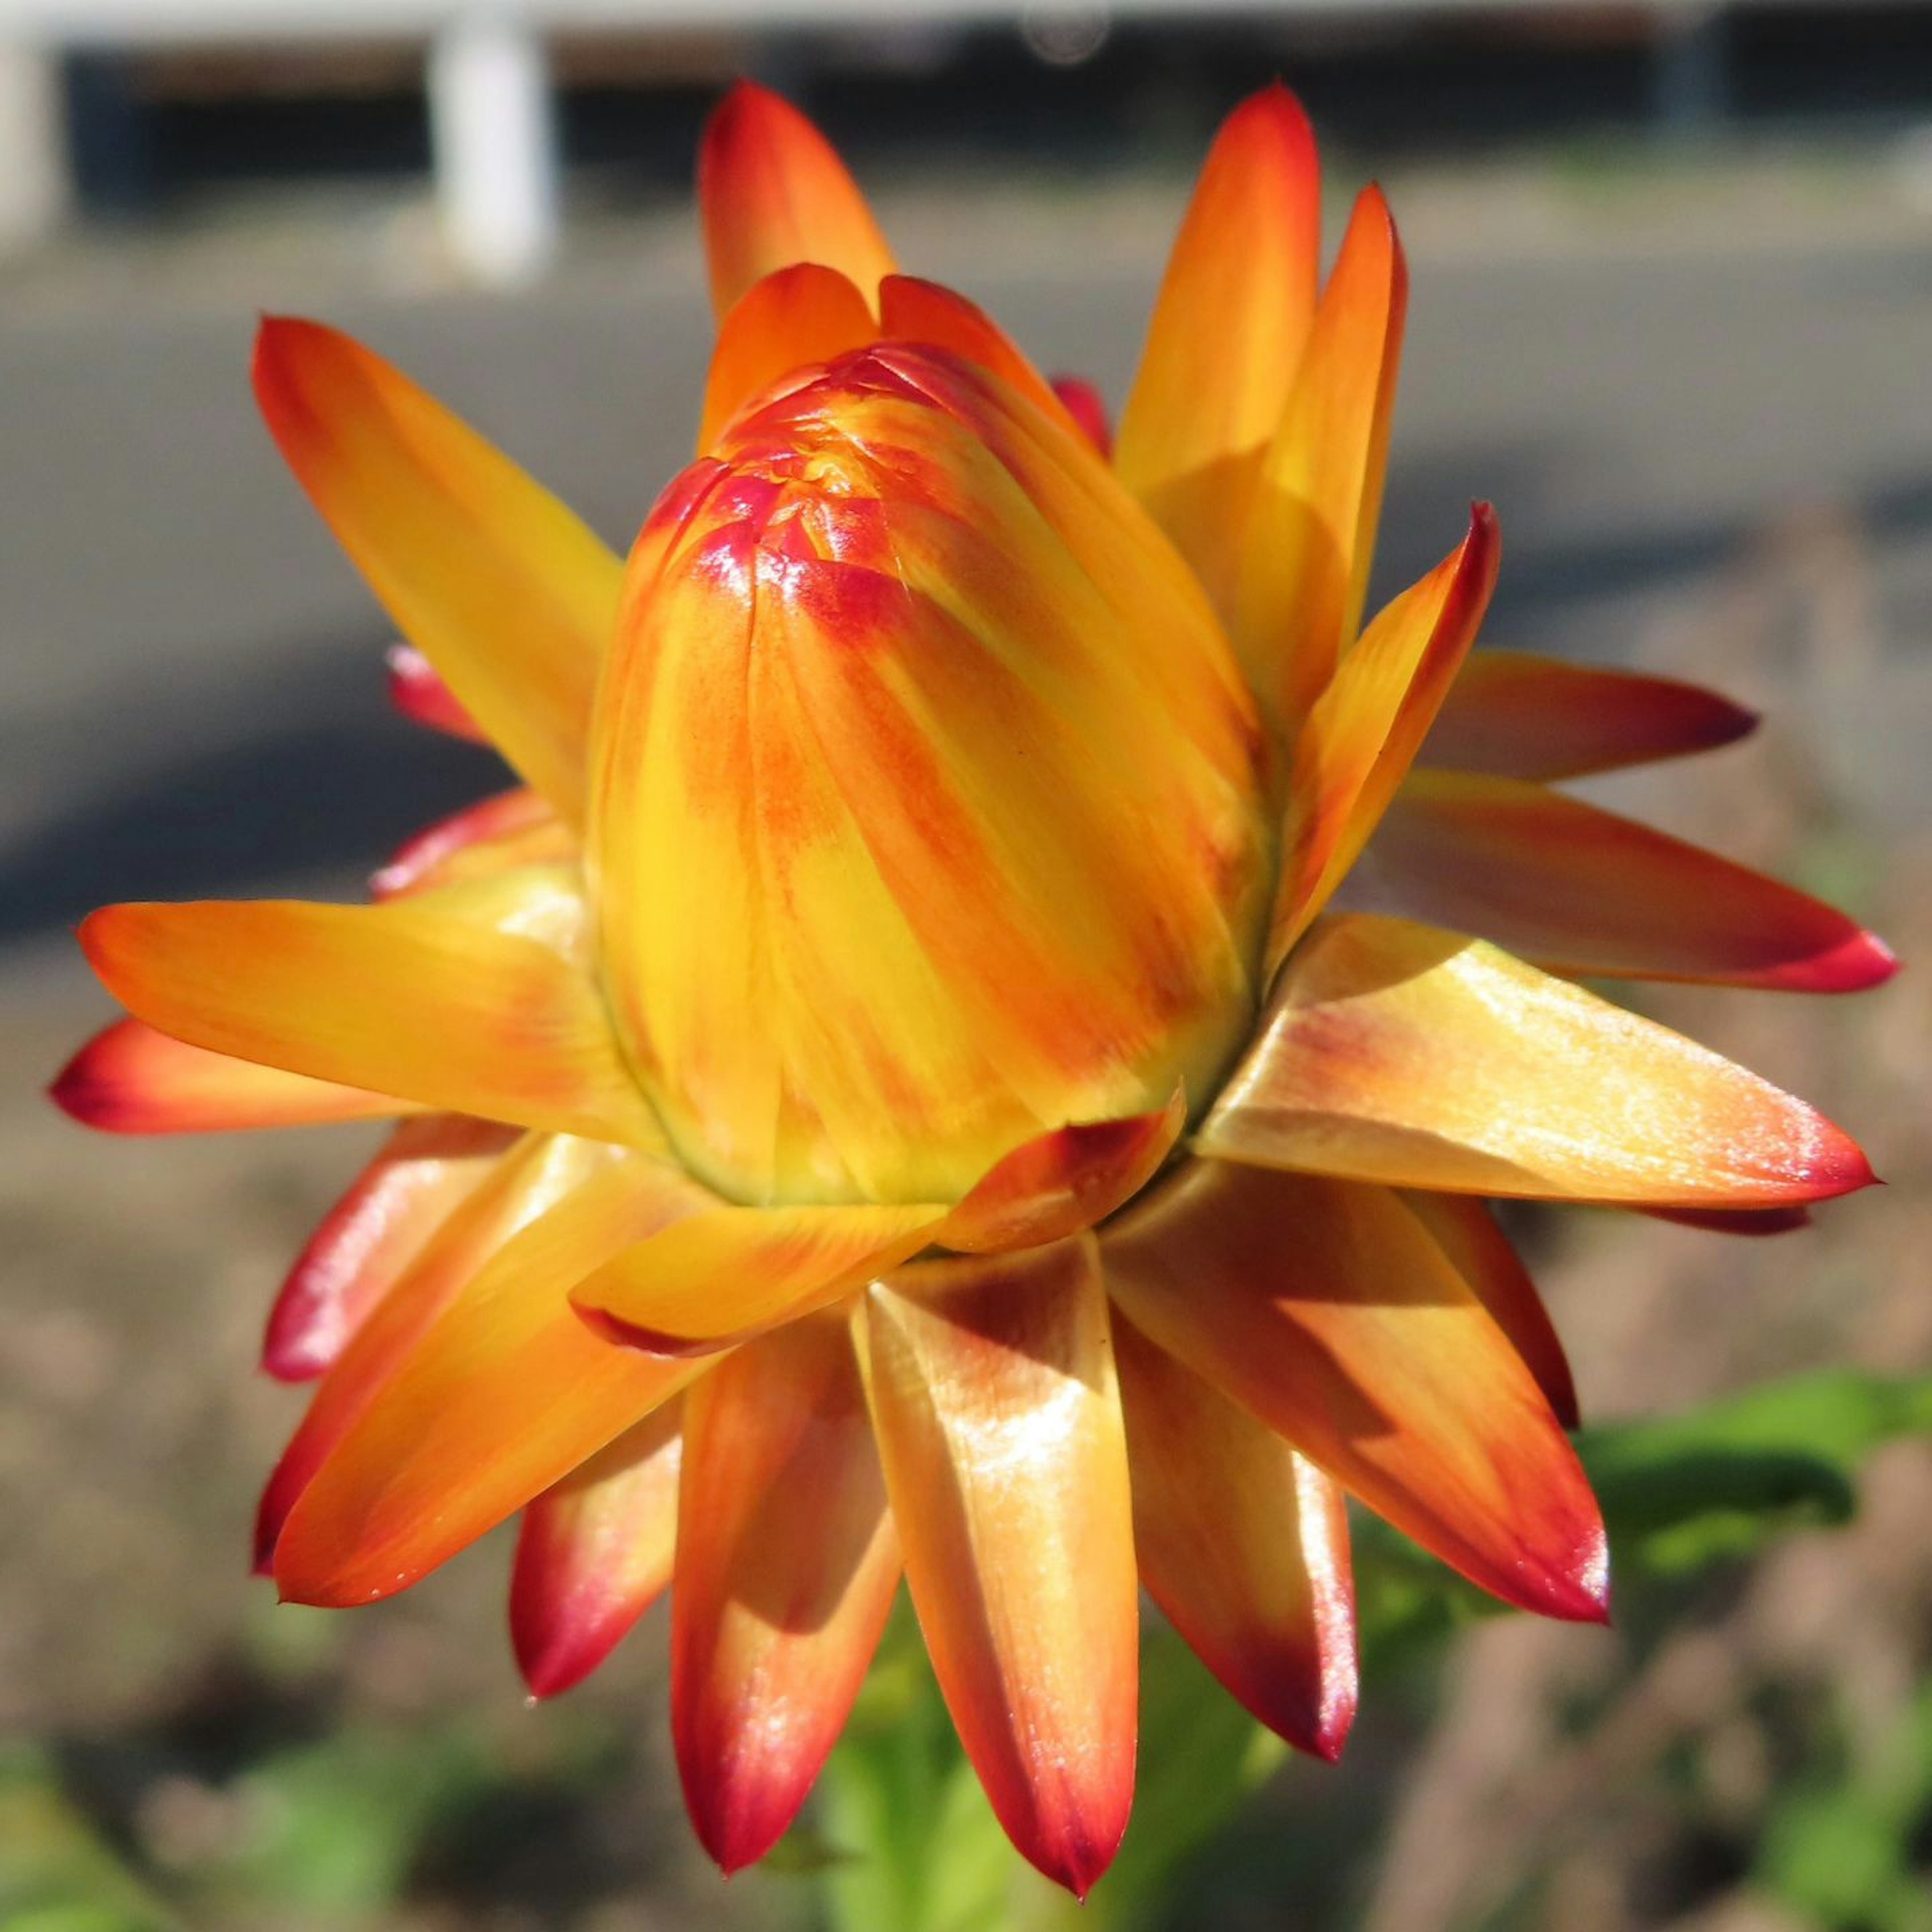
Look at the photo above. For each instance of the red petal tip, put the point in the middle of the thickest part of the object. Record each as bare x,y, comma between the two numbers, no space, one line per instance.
1337,1719
1857,963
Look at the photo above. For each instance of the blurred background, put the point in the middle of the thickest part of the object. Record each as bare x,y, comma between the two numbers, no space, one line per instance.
1672,309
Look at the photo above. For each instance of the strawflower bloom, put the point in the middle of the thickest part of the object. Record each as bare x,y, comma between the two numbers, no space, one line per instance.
978,1047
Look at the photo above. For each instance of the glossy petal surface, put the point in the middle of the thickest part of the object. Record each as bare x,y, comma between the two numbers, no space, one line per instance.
374,1234
1226,335
506,1393
786,1566
1364,731
994,1396
803,314
506,592
1404,1054
403,998
771,191
1328,1313
1578,889
129,1079
1310,534
1244,1545
594,1553
1517,715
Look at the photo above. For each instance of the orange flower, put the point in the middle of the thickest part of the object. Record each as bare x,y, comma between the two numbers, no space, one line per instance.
978,1051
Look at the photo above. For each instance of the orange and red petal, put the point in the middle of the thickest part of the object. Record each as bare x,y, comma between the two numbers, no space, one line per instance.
1244,1545
504,589
1363,731
404,998
507,829
1581,890
1328,1312
1465,1230
788,1563
1226,334
1064,1181
1517,715
505,1394
796,315
720,1277
911,310
130,1079
1310,531
373,1234
594,1552
998,1411
772,191
1083,401
1403,1053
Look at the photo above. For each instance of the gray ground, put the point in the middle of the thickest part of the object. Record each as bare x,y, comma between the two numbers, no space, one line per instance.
1699,400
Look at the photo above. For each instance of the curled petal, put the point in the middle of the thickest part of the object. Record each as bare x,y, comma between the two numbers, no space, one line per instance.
993,1391
1516,716
1328,1313
1400,1053
1483,1254
503,589
417,690
720,1277
408,998
803,314
1364,731
1226,334
786,1566
510,830
771,191
129,1079
1310,535
504,1394
1581,890
1258,1582
594,1553
372,1236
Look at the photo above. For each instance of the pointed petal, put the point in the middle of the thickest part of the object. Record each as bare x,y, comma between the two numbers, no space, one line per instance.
1365,728
129,1079
1403,1053
526,1183
594,1553
1244,1545
1578,889
1521,716
1483,1254
1328,1313
1064,1181
914,310
374,1234
771,191
405,998
504,1394
803,314
994,1395
1310,535
497,834
501,587
417,690
786,1566
1083,401
720,1277
1227,334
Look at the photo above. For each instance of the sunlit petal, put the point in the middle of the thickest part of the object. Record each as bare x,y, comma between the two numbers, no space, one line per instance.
801,315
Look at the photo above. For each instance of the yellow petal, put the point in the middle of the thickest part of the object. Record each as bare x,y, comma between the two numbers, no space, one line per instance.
993,1391
1226,335
506,592
1309,537
1403,1053
771,191
786,1566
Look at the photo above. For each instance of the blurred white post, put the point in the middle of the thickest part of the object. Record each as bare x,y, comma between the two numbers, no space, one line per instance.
493,144
36,182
